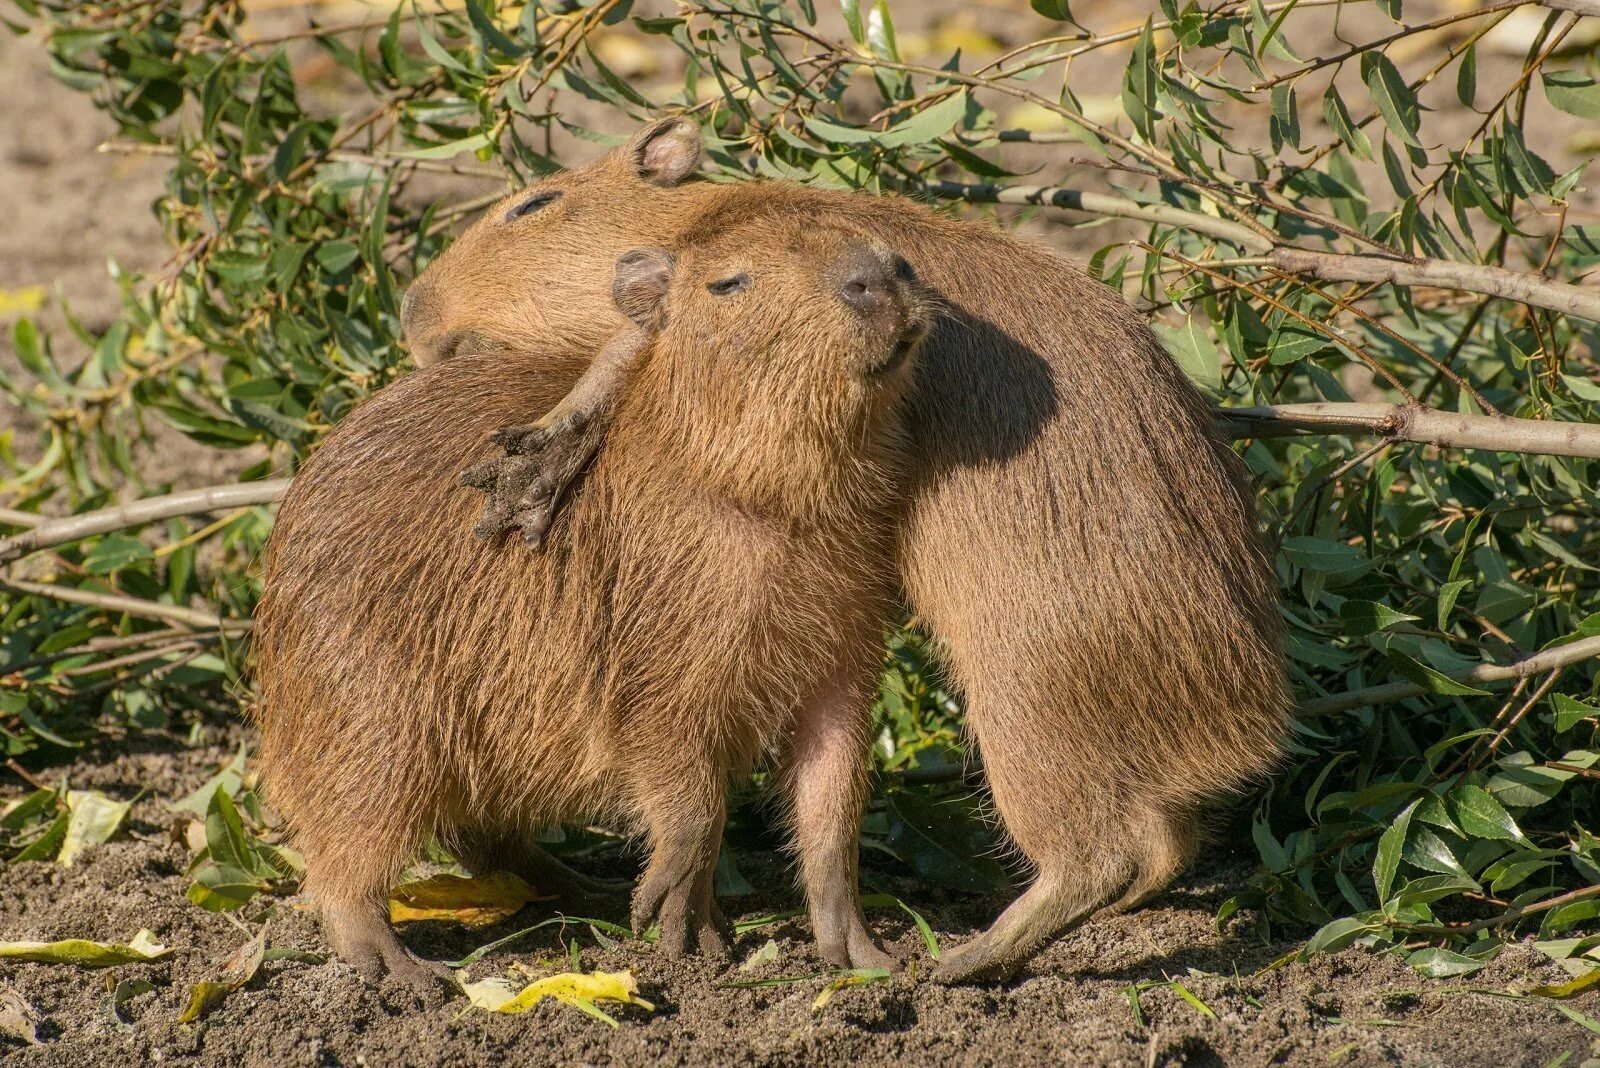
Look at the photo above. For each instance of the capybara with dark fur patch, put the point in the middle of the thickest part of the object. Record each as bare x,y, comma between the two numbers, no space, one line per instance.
1079,540
714,595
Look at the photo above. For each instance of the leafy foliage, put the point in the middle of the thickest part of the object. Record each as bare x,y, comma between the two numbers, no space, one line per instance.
1447,820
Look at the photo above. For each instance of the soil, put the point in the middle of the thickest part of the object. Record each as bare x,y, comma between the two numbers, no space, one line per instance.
1070,1006
71,208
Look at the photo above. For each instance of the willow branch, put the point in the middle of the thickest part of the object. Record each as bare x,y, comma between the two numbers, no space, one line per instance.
188,502
1056,196
1582,301
1482,674
1414,422
133,606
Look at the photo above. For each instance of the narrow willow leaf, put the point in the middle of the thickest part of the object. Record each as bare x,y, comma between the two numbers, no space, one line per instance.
1343,126
1394,98
1467,76
1436,963
1390,846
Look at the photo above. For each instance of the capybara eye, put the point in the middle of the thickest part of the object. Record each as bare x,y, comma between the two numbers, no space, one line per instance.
728,286
903,270
533,204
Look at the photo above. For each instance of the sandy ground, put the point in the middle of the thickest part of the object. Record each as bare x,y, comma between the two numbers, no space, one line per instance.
1070,1006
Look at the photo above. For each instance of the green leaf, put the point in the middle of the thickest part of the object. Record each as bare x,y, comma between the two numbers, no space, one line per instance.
1429,679
1343,126
1324,556
943,842
1365,617
1335,936
1053,9
1438,963
1467,76
852,20
1390,846
1394,98
1572,92
1191,346
114,551
1479,815
1570,712
1430,852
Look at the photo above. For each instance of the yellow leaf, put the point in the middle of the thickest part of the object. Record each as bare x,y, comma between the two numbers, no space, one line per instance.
87,954
24,301
95,818
474,901
1570,987
236,971
570,988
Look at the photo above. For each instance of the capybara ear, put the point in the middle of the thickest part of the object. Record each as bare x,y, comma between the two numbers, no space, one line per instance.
665,152
640,286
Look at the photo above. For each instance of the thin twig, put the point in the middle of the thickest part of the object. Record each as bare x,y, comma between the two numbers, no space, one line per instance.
133,606
1414,422
1483,674
188,502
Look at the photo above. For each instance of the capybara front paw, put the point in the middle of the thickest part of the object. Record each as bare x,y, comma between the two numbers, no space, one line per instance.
526,485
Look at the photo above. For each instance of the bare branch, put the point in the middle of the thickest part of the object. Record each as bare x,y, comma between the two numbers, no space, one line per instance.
1413,422
133,606
1483,674
188,502
1441,274
1057,196
1590,8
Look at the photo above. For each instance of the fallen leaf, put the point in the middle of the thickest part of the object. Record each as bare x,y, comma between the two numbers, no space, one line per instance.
124,992
1570,987
571,988
86,954
23,301
765,955
853,977
236,971
93,819
474,901
17,1017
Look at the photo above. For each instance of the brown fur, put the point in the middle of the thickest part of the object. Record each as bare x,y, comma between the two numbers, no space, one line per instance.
713,594
1079,540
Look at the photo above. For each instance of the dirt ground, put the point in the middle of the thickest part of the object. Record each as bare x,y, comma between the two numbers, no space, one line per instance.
1070,1007
70,208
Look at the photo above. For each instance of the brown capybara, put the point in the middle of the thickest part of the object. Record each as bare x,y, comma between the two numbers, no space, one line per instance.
712,596
1079,540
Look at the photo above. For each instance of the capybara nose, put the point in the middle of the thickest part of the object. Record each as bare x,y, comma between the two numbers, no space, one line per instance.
868,281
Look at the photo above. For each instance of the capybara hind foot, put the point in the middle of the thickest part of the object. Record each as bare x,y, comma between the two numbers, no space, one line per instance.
549,875
688,919
363,938
1048,908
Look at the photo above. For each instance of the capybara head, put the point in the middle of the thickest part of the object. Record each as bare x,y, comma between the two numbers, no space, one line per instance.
534,266
781,348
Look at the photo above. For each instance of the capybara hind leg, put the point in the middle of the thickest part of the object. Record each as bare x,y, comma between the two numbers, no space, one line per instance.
825,778
1056,901
484,855
1164,851
361,935
675,892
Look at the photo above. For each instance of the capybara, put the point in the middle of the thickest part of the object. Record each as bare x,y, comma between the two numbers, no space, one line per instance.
712,596
1079,540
